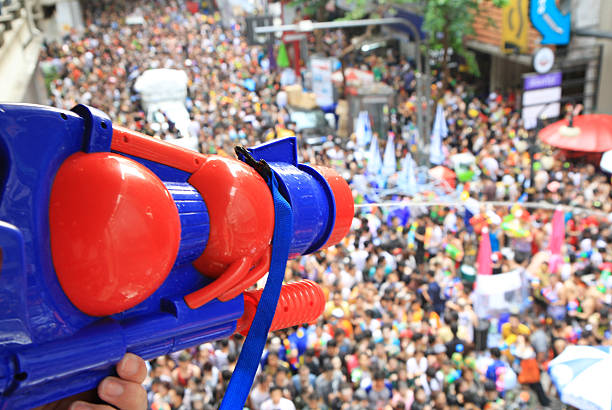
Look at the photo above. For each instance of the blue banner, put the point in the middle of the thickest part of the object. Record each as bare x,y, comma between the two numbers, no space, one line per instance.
539,81
550,22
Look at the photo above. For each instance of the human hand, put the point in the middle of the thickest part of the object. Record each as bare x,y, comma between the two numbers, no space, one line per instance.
124,392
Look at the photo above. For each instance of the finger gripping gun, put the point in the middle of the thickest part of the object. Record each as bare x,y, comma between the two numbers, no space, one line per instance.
115,242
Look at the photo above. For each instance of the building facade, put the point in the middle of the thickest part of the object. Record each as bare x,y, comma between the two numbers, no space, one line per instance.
24,24
506,41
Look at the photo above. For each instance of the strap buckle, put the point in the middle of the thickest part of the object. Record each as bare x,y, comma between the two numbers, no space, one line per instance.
261,166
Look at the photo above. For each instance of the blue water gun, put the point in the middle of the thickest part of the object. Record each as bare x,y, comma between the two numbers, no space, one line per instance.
114,242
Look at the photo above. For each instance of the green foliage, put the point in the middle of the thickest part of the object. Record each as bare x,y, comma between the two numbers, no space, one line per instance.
50,74
448,22
361,8
371,9
309,7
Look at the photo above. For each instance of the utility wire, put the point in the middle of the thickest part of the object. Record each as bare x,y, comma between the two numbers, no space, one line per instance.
533,205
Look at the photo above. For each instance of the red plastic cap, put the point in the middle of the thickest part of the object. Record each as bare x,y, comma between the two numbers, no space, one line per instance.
345,207
241,214
299,302
115,232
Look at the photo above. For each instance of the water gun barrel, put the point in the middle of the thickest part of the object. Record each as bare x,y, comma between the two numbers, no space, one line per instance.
113,242
321,200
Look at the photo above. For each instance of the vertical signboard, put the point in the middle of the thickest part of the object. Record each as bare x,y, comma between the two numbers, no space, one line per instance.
541,97
322,81
515,26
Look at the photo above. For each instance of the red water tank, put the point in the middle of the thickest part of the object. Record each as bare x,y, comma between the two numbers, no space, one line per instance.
115,232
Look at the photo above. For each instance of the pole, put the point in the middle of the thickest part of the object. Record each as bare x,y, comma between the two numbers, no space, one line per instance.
296,57
420,120
427,96
532,148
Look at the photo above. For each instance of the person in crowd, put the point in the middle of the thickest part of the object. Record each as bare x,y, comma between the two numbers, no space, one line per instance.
401,315
260,392
277,401
513,328
185,370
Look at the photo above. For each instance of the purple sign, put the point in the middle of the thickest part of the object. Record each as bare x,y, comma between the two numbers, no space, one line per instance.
536,81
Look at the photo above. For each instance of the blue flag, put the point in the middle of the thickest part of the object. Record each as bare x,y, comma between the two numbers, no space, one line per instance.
406,180
389,164
363,129
439,132
466,220
402,213
374,161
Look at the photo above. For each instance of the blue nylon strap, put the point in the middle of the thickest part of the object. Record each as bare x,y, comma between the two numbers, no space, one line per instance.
244,373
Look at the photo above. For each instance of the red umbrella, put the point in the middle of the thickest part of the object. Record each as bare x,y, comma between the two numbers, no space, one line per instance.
589,133
444,174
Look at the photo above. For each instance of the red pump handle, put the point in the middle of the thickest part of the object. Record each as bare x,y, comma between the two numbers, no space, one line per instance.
299,302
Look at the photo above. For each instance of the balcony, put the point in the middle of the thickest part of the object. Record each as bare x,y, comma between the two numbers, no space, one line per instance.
20,45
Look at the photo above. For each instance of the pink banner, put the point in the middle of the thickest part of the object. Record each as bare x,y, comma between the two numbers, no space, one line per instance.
485,266
558,232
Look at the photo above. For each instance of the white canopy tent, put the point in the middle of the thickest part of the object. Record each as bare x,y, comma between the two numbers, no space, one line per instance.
496,294
164,91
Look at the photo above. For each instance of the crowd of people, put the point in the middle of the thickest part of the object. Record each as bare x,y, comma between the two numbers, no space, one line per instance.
399,330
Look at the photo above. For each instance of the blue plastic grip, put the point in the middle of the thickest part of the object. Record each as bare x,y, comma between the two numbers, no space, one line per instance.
13,293
91,348
195,223
81,361
98,128
306,190
282,150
